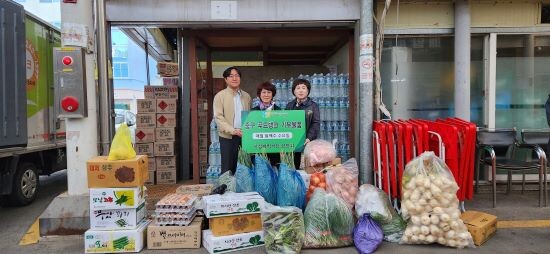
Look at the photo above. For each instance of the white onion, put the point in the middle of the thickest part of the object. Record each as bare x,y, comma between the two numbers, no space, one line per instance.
434,219
425,230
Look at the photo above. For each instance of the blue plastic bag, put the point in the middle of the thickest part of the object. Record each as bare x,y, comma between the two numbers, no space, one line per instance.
245,178
367,235
291,190
265,179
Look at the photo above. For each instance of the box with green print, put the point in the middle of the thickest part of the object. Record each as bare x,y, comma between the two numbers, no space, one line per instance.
223,244
119,241
116,219
117,198
232,204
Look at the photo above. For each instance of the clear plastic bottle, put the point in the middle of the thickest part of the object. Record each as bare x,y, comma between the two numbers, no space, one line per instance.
314,86
335,110
335,130
345,132
321,81
213,131
328,108
322,106
346,84
218,153
328,85
212,158
329,135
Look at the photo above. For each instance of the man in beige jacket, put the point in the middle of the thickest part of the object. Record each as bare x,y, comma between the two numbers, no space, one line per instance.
228,106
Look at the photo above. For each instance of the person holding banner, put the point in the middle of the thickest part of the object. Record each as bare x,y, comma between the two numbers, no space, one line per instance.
266,91
228,106
301,89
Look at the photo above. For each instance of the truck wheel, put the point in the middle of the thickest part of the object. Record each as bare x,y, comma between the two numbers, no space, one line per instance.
25,185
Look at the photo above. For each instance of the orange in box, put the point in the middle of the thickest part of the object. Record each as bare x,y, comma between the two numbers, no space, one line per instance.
103,173
231,225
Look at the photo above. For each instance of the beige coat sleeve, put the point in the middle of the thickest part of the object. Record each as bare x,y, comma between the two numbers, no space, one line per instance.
223,125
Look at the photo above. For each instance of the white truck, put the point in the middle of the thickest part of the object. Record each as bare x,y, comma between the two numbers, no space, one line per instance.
32,139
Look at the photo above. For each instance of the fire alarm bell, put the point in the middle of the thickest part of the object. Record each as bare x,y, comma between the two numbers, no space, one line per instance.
70,82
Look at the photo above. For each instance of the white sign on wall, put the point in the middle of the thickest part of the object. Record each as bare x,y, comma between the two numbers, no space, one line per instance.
223,9
366,68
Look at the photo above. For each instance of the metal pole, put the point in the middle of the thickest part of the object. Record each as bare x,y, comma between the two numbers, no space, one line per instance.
106,101
147,57
365,93
185,136
462,59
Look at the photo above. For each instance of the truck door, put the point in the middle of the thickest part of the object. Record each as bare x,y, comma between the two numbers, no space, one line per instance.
13,103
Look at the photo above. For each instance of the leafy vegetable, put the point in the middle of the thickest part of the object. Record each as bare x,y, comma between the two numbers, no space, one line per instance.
328,221
283,229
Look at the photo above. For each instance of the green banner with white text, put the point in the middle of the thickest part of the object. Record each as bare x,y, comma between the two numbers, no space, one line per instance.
273,131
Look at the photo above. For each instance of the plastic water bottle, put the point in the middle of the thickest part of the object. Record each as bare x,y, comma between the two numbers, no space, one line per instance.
328,108
322,130
321,103
343,111
321,85
213,131
335,110
289,90
345,132
212,154
346,84
328,126
335,130
217,149
314,86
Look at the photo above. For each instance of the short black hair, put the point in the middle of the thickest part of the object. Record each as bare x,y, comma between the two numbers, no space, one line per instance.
301,81
267,86
227,72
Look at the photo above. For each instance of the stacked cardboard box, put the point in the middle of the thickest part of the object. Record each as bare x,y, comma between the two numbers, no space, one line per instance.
156,131
117,205
235,222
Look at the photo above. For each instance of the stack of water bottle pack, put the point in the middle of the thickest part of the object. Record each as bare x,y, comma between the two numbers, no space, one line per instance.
331,93
214,155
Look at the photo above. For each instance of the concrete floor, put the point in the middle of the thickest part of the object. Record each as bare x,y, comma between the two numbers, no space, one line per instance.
14,222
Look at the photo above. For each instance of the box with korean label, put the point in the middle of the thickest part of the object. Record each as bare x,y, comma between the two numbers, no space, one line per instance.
223,244
145,135
165,135
166,177
164,148
166,120
145,149
166,163
146,106
103,173
117,219
232,204
116,198
167,106
146,120
119,241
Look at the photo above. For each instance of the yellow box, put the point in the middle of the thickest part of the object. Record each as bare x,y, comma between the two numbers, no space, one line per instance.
123,173
481,225
231,225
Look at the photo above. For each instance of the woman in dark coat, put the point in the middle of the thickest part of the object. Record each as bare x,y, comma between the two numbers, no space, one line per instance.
266,91
301,89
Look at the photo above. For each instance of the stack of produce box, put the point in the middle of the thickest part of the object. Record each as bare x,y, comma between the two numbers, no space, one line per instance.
175,225
235,222
156,131
117,205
